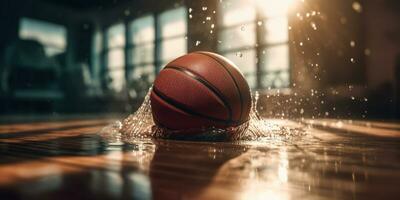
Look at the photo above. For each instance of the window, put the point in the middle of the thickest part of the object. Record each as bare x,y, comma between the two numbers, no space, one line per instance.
115,57
141,49
254,35
172,30
148,47
51,36
97,48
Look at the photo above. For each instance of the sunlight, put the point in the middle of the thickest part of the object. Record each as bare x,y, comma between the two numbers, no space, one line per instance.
283,166
269,185
238,15
273,8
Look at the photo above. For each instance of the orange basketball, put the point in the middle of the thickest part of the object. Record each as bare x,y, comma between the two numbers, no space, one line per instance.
200,90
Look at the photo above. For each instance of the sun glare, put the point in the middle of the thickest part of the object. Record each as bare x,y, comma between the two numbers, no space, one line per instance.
272,8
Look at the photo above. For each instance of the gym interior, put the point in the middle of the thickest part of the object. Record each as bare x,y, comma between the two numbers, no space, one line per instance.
68,68
102,56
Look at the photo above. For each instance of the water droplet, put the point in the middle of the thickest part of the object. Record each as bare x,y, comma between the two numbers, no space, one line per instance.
204,8
365,99
352,43
190,16
259,23
208,18
197,43
352,60
190,10
212,25
353,98
299,16
301,111
313,25
301,44
357,6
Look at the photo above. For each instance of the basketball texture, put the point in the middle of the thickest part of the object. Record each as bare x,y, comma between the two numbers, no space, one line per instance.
198,91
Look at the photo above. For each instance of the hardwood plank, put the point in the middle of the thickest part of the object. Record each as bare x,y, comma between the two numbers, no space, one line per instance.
56,160
366,128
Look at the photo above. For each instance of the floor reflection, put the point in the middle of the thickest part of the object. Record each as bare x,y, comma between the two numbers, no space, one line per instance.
183,170
322,164
252,175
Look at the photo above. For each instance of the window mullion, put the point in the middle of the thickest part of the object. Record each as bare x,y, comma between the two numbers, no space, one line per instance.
259,33
157,44
126,53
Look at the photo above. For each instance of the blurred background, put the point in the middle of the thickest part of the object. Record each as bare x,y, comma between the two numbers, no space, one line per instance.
305,58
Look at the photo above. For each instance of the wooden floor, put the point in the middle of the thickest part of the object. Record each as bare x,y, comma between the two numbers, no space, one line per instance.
65,159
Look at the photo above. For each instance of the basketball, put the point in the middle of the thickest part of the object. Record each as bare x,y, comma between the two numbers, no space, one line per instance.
200,90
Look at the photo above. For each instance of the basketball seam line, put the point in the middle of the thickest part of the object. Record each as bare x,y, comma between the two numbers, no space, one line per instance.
158,121
183,108
234,80
204,82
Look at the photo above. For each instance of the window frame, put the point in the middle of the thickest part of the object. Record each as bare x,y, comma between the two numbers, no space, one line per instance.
47,44
107,69
159,62
129,65
259,48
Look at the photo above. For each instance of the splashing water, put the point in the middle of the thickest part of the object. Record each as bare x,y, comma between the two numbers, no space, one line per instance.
140,126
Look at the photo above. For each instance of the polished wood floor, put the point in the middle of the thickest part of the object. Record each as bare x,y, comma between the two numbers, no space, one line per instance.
66,159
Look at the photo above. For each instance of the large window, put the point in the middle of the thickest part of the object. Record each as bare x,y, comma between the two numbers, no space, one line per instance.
172,30
254,35
141,49
148,46
51,36
115,57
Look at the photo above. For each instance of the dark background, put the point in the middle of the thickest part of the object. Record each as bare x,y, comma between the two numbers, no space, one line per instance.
360,81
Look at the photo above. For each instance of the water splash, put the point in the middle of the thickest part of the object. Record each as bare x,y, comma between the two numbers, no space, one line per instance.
140,126
137,126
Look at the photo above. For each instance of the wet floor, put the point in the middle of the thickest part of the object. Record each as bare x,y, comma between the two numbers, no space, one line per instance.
333,160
